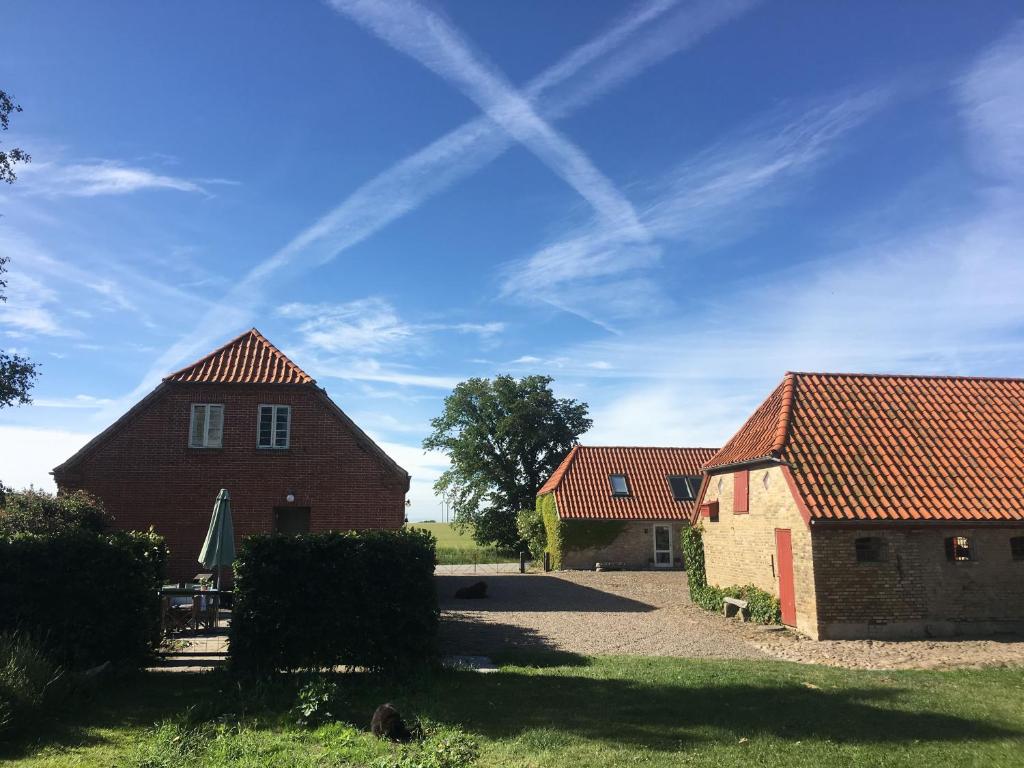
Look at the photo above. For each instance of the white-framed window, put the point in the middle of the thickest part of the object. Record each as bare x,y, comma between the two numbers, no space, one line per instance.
206,426
273,427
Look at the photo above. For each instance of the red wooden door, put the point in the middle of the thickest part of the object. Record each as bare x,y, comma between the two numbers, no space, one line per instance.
784,558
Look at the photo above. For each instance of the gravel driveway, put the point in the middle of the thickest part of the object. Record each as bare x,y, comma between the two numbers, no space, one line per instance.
649,613
644,613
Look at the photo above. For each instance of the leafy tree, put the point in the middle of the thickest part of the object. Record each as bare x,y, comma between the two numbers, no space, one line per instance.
504,437
13,156
43,513
17,373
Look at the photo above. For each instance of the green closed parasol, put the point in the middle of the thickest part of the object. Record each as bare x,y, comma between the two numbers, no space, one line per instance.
219,548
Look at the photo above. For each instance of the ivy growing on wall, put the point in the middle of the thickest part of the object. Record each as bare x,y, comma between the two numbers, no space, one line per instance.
764,607
553,528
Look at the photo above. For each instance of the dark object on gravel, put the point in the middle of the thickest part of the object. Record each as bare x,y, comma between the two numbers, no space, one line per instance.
388,724
472,592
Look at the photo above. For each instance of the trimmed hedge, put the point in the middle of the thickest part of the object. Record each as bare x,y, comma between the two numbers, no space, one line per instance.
86,598
764,607
362,599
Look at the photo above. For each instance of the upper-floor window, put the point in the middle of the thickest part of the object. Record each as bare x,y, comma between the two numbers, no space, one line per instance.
620,486
870,549
275,422
206,427
959,549
684,487
1017,547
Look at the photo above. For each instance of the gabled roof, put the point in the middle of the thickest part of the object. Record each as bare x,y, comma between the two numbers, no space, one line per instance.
582,489
246,359
883,447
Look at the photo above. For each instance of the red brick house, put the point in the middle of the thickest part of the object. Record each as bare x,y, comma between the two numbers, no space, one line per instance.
248,419
621,505
876,506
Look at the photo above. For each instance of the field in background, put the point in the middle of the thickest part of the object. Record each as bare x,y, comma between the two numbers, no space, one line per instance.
446,535
459,548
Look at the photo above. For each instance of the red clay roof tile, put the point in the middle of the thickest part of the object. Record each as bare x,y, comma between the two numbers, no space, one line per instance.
582,489
881,447
247,359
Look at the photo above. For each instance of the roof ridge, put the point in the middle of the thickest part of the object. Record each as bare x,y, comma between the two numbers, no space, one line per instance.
932,376
785,413
249,358
650,447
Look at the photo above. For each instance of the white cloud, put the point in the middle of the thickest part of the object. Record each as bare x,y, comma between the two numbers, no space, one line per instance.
367,326
27,454
425,467
373,370
92,179
30,308
991,95
87,402
370,325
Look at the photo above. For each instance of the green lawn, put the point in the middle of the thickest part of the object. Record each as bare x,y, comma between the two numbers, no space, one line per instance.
583,713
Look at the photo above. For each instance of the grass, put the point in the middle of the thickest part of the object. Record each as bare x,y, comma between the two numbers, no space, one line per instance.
455,548
609,711
447,537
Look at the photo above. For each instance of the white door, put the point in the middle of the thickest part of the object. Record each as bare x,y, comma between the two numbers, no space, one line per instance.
662,546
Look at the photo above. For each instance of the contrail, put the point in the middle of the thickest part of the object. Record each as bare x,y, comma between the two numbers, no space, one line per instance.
457,155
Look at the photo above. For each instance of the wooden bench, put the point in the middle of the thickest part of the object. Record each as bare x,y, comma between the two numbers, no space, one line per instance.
605,566
734,606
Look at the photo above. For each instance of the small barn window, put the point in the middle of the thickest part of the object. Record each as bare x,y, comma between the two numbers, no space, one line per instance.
1017,547
684,488
870,549
958,549
620,486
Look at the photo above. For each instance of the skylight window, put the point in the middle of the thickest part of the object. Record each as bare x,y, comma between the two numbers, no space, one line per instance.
684,487
620,485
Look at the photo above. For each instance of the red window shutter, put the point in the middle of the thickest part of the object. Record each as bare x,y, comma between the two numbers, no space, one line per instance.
710,511
741,491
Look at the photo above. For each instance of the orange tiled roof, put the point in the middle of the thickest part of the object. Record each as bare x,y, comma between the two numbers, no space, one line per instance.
582,489
879,447
247,359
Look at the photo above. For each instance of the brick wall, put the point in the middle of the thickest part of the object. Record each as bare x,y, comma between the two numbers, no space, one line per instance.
916,590
634,547
739,549
147,475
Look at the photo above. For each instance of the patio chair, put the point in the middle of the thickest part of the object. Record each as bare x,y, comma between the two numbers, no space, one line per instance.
204,610
176,614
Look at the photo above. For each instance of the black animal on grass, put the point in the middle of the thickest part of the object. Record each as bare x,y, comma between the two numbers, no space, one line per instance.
388,724
472,592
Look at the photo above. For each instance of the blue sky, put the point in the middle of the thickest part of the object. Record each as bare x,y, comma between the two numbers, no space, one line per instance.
664,205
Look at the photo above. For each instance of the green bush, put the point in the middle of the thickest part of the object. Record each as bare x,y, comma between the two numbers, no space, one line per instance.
26,675
88,598
45,514
764,608
362,599
530,524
